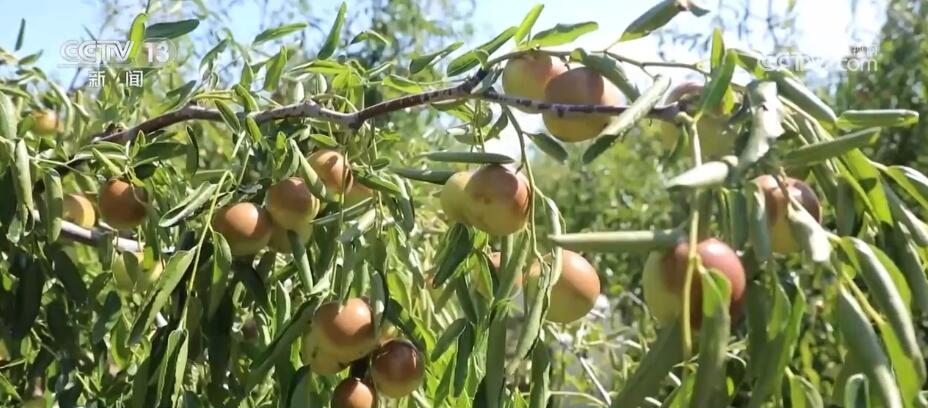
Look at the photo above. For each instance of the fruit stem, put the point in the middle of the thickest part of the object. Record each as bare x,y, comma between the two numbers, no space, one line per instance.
531,181
599,386
689,128
208,226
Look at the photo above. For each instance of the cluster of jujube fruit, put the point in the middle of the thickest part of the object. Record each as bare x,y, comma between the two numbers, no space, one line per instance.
541,77
343,336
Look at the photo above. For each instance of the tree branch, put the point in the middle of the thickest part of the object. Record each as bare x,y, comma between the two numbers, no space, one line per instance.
83,235
312,109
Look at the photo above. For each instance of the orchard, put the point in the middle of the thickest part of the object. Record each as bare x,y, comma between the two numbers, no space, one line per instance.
312,229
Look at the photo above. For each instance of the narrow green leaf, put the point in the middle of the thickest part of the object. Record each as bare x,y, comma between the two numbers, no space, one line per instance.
53,201
619,241
549,145
436,176
612,70
629,118
275,69
292,331
561,34
818,152
656,17
856,119
21,35
277,32
23,176
527,23
171,276
228,115
471,59
647,379
795,91
863,343
468,157
718,85
137,35
170,30
713,339
423,61
191,204
331,41
220,274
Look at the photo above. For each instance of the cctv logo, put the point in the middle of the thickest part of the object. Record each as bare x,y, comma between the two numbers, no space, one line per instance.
95,53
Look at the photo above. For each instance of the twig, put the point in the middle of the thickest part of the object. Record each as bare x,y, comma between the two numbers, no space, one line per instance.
83,235
599,386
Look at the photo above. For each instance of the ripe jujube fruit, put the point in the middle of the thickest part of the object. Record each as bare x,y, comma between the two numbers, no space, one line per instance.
353,392
782,240
290,203
320,362
122,205
346,331
397,368
454,199
498,200
527,75
580,85
332,169
78,209
576,290
245,226
665,275
45,122
715,140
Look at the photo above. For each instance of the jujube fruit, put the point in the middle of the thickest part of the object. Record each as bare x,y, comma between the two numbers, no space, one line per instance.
782,240
346,331
527,75
290,203
584,86
575,292
498,200
332,169
136,276
245,226
352,392
45,122
454,199
397,368
715,140
665,275
122,205
320,362
78,209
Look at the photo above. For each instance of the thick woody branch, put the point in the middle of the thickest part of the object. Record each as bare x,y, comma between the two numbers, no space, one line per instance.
311,109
